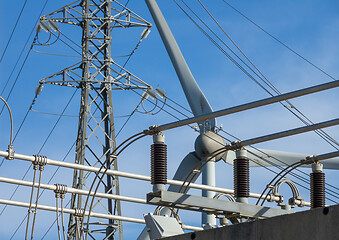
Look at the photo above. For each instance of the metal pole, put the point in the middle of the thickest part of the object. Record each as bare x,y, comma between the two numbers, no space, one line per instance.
143,177
246,106
286,133
107,115
73,190
93,214
78,177
208,178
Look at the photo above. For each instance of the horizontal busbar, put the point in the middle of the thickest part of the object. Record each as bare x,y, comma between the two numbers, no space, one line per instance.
246,106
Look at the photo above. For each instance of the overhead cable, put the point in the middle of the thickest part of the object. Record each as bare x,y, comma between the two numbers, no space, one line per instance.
279,41
290,108
15,25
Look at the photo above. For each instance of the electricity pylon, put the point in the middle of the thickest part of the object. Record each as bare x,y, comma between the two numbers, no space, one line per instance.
96,75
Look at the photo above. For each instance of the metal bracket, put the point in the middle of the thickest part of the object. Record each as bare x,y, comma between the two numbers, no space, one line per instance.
212,206
10,152
40,160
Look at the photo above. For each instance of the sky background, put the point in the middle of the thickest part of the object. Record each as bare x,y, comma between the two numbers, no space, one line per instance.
308,27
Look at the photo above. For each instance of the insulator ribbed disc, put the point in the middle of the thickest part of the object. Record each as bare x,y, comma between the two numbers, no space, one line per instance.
317,189
241,178
159,163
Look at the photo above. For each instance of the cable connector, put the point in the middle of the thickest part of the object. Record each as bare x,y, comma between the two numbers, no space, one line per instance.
297,201
151,130
310,159
10,152
236,145
271,198
60,190
279,199
40,160
79,212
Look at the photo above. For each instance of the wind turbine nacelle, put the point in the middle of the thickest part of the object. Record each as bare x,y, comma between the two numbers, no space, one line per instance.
208,142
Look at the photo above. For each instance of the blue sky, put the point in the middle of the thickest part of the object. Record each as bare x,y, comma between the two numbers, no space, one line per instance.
308,27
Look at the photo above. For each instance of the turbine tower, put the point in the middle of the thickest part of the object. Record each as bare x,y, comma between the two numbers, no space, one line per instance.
96,76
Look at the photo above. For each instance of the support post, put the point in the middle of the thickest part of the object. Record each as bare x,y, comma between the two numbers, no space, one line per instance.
208,178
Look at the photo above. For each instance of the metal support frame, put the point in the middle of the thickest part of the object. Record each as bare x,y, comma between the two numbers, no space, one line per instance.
96,75
212,206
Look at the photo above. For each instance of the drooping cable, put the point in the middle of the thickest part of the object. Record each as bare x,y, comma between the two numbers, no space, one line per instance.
35,168
50,227
57,216
11,121
62,217
27,41
43,145
322,134
41,168
270,85
115,154
16,79
285,172
129,117
52,176
15,25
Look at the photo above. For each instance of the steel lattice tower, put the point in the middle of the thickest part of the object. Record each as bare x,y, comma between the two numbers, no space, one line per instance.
96,75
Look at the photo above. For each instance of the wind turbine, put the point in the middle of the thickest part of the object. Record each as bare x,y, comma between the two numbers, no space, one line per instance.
208,141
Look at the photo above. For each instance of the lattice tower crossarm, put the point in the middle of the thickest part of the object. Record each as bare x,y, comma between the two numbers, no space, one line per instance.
96,75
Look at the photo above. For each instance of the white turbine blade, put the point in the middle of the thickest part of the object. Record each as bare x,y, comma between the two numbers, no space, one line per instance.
186,166
195,97
267,158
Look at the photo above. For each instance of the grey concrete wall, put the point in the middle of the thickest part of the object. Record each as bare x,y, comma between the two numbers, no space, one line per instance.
315,224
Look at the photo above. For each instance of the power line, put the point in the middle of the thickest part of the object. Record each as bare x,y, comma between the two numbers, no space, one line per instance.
10,38
279,41
16,79
43,8
319,132
237,64
23,220
43,145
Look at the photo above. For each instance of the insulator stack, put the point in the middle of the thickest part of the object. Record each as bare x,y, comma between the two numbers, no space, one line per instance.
159,163
317,189
241,178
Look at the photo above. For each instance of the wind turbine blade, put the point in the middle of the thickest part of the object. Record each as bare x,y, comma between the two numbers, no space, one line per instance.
185,168
195,97
268,158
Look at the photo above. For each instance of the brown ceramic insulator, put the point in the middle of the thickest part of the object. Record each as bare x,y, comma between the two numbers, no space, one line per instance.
317,189
159,163
241,178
